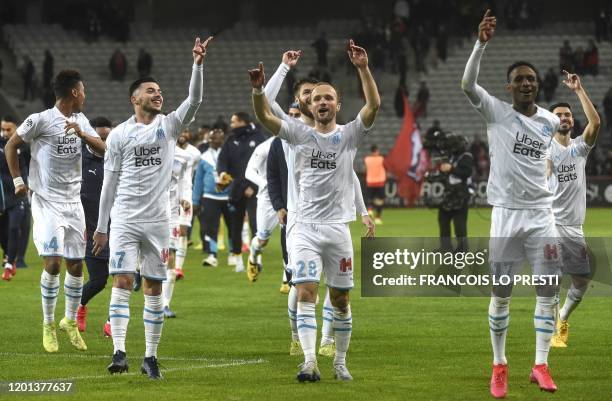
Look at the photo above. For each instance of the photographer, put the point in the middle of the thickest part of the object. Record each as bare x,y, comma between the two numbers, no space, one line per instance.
454,170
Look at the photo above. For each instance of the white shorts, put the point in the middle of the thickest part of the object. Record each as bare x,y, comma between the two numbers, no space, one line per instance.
185,216
519,234
146,243
573,250
267,219
318,248
59,228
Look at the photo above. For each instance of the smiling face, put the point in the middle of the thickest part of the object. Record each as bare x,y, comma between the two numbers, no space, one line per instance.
303,98
148,97
566,117
523,85
324,103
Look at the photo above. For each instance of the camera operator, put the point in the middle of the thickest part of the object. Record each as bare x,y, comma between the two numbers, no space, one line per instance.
454,168
454,207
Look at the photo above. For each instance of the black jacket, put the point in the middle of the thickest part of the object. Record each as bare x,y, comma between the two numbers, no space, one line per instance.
235,155
277,175
8,198
91,187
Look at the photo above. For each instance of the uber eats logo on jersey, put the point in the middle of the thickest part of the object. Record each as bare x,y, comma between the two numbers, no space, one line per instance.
147,156
567,172
67,145
326,160
528,147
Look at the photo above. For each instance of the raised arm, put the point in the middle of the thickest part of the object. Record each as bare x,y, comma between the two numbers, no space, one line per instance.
359,58
290,59
468,83
187,110
591,131
261,107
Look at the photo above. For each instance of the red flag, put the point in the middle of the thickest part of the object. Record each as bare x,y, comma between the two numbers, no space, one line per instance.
408,161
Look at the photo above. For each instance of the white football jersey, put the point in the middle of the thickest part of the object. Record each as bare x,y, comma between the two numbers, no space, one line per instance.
55,166
256,170
325,164
518,148
144,156
568,181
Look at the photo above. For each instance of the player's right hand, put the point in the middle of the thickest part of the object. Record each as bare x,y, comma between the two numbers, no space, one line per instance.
224,180
370,226
21,190
282,216
487,27
291,57
99,242
257,76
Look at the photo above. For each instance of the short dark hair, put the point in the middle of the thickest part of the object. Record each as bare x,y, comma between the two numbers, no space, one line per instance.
243,116
100,122
560,104
140,81
373,148
519,64
65,81
9,119
307,80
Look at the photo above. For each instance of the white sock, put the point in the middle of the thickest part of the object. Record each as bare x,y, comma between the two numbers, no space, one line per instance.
499,320
572,300
292,311
181,252
544,322
343,327
255,249
307,329
73,289
49,288
119,314
168,286
327,330
153,317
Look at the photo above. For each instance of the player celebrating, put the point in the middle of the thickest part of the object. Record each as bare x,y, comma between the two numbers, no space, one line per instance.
522,223
322,242
568,181
55,137
138,166
286,208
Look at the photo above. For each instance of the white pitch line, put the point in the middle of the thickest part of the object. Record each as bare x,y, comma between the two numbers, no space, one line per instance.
96,356
183,369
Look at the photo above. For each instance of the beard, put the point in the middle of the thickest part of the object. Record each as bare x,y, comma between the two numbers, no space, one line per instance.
565,131
304,109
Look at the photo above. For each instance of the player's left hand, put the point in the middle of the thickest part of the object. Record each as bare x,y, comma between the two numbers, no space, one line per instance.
99,242
186,205
370,226
257,76
291,57
446,167
572,81
357,54
72,125
199,50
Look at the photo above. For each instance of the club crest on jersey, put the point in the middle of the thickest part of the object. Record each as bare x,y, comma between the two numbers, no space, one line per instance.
546,130
160,133
29,123
573,152
335,139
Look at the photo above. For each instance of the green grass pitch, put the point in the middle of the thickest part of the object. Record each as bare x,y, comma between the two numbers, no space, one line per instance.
231,338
